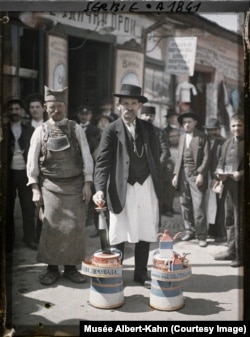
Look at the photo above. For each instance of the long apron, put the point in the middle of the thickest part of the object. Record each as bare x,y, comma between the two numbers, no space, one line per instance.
62,237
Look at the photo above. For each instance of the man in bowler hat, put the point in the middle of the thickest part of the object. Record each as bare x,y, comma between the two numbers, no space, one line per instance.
190,177
126,177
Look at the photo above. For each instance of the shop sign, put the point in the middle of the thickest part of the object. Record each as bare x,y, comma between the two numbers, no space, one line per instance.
57,62
124,25
129,68
181,55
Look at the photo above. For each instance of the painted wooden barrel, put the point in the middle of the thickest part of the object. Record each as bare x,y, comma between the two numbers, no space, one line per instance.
106,285
106,293
166,291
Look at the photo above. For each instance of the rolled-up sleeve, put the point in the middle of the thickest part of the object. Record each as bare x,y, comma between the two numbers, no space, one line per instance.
88,164
33,157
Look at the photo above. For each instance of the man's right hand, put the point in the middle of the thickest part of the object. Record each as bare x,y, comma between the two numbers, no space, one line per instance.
98,199
174,181
37,195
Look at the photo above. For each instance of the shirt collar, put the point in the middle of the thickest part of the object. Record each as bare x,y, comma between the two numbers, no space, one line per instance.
129,124
61,122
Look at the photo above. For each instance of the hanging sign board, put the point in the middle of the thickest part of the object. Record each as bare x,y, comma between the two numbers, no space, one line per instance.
181,55
57,47
129,65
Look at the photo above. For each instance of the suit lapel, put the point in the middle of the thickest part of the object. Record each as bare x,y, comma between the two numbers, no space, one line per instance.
120,131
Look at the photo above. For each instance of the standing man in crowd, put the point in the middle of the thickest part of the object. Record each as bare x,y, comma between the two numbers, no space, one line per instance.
215,202
230,170
18,142
60,169
126,176
36,110
93,134
190,177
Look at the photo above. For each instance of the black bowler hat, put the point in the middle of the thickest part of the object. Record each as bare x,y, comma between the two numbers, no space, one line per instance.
187,114
131,91
212,123
146,109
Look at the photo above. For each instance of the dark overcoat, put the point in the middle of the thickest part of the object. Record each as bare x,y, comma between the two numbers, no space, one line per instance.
112,162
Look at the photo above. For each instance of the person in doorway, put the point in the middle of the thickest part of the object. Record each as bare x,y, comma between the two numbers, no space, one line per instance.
230,170
191,177
38,113
18,142
106,108
126,177
60,172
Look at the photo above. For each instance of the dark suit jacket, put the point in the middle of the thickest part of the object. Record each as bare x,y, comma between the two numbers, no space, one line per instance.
215,154
24,141
93,136
164,145
240,155
112,163
201,154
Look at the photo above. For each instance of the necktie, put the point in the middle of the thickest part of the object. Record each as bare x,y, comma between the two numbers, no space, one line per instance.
131,128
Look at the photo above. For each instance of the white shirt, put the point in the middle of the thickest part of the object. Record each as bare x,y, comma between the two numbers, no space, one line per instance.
17,162
189,137
35,124
131,128
35,147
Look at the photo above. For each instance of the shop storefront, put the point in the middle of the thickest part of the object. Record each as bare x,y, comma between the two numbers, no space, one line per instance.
93,54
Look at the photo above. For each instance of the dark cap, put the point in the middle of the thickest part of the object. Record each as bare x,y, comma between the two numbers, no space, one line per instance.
187,114
171,112
131,91
212,123
51,95
84,109
146,109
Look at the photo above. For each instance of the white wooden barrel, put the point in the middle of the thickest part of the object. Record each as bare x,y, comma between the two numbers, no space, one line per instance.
106,293
106,283
166,291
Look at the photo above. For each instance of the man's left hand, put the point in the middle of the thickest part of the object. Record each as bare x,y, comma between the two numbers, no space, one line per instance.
86,192
199,180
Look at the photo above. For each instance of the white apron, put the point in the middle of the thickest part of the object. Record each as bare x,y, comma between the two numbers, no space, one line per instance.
139,218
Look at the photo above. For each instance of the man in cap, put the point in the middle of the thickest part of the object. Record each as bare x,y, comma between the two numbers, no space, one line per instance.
215,205
127,177
18,142
60,169
190,177
85,116
93,134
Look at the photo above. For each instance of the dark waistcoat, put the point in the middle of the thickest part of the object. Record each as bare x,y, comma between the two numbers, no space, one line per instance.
138,167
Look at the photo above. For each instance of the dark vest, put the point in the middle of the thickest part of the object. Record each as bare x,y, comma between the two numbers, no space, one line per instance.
231,155
188,159
138,167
